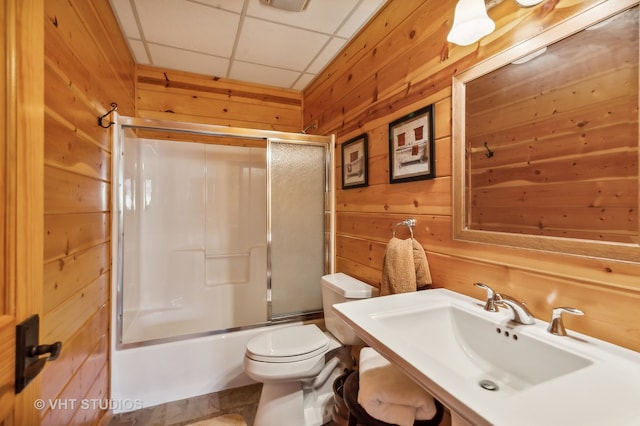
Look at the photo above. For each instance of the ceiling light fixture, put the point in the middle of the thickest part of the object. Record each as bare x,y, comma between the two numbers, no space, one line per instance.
527,3
290,5
470,22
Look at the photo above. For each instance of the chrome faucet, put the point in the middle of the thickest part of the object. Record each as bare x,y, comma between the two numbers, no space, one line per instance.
556,326
520,312
490,304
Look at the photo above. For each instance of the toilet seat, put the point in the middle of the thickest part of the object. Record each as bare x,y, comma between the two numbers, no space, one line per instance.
288,344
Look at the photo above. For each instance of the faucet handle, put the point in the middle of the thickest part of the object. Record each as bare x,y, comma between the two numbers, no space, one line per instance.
556,326
490,304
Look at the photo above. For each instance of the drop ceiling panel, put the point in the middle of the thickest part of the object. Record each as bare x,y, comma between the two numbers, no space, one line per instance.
241,39
230,5
276,45
188,25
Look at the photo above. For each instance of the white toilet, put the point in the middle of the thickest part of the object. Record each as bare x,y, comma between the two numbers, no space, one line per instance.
297,365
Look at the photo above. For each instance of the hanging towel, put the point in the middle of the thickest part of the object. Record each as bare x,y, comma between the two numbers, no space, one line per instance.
387,394
398,268
423,274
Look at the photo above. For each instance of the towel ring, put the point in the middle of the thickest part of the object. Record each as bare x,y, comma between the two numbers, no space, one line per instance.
409,223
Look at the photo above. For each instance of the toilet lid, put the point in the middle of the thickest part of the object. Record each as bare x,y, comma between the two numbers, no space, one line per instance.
288,344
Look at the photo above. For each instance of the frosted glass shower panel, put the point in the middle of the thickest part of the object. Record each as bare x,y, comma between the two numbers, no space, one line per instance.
298,249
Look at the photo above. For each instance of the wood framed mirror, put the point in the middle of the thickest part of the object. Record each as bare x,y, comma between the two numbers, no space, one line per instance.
545,140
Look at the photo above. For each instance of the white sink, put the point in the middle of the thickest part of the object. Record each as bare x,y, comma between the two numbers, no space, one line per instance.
489,370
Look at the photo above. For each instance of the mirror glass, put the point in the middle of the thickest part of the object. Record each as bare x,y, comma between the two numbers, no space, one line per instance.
546,141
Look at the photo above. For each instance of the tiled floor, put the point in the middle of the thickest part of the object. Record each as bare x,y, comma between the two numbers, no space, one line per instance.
232,407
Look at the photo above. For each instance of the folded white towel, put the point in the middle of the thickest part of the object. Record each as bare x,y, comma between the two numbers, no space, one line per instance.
387,394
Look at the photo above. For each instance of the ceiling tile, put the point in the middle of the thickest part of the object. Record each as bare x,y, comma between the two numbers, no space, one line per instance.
262,74
126,18
278,45
139,52
204,36
183,60
230,5
188,25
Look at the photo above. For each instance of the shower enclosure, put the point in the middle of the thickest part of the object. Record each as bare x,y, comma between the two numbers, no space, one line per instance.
217,231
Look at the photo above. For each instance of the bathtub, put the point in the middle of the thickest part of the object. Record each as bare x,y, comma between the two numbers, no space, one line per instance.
156,374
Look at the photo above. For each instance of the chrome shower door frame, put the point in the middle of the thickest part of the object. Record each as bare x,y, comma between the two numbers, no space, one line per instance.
122,123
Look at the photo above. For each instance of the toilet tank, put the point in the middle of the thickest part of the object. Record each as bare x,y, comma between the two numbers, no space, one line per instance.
338,288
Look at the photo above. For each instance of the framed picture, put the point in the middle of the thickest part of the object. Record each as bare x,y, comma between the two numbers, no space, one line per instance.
411,147
355,162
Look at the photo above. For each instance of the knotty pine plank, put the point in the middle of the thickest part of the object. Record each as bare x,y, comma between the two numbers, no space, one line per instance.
65,277
75,352
67,234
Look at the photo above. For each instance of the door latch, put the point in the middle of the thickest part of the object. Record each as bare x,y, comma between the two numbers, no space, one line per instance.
28,361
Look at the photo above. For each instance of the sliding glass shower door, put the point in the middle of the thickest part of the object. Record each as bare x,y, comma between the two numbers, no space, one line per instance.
217,229
299,234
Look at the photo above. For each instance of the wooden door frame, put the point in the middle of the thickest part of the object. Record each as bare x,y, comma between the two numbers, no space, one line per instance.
24,175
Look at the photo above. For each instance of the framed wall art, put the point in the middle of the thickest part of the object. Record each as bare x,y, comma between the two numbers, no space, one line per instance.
411,147
355,162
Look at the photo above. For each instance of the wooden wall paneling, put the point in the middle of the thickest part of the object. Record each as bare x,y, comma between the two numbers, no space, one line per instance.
61,322
71,233
68,275
23,134
88,44
383,76
358,270
378,132
74,151
180,96
423,69
7,367
221,108
613,137
96,400
147,74
581,151
71,107
7,316
98,17
88,66
208,118
4,116
419,197
362,237
610,313
81,383
70,193
367,100
76,350
369,253
366,53
378,227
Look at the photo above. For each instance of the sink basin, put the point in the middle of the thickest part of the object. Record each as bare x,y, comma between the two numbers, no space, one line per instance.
489,370
479,349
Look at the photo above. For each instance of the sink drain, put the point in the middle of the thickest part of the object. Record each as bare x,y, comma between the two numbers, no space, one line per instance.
488,385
